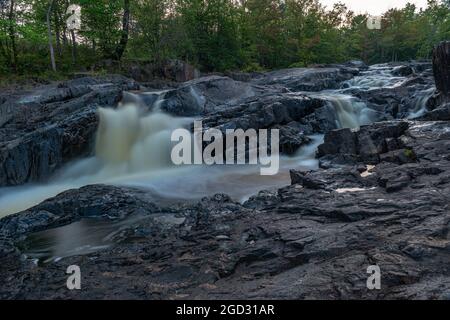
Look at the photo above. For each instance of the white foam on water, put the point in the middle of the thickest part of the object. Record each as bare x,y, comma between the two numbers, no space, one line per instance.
377,76
133,149
420,106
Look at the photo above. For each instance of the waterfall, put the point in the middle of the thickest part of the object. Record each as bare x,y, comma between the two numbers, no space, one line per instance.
133,148
117,133
150,101
349,112
377,76
420,105
199,99
159,101
129,143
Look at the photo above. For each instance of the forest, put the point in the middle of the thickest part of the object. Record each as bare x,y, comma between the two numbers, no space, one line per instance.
213,35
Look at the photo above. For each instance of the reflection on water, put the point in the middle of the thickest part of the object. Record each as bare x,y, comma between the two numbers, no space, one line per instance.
79,238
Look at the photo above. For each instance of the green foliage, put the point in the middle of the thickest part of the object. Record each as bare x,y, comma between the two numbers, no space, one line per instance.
409,153
215,35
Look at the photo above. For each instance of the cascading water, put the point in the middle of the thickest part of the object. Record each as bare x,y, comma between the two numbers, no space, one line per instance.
349,111
376,76
127,144
133,148
420,106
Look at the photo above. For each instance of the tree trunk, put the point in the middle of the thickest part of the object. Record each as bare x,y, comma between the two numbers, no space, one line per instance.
441,67
74,47
49,30
12,35
65,40
125,30
58,32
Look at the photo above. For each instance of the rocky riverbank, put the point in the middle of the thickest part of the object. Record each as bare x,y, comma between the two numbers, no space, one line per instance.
379,197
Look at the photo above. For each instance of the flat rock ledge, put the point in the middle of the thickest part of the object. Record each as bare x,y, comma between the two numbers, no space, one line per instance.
382,198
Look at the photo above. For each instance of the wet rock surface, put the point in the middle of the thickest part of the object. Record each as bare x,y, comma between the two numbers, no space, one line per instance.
45,128
42,129
311,240
380,197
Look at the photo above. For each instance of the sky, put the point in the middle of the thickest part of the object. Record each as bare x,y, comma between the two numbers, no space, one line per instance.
374,7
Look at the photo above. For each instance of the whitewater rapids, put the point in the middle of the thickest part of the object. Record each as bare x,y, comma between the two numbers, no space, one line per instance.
133,149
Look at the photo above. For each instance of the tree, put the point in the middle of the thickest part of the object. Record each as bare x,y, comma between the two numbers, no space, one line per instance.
8,33
215,35
49,30
125,30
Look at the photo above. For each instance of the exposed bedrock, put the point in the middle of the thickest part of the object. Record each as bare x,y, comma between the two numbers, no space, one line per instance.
313,239
308,79
369,144
44,128
381,196
206,95
210,94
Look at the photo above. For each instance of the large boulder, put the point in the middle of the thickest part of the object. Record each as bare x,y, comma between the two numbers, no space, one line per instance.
364,145
207,95
286,112
96,201
441,67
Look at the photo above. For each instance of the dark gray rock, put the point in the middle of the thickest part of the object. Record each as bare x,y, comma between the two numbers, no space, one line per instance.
308,79
436,105
206,95
366,144
441,67
403,71
440,113
97,201
380,197
314,239
49,126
